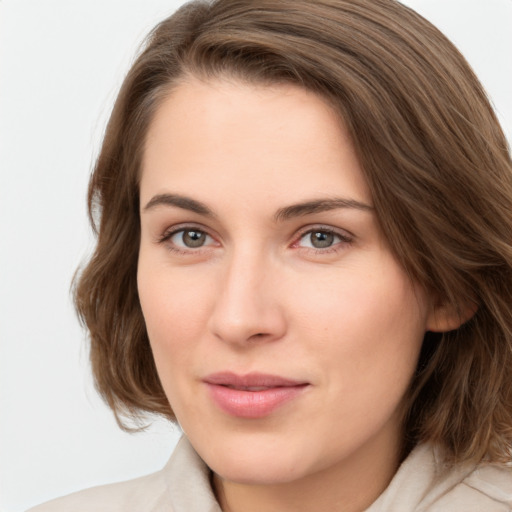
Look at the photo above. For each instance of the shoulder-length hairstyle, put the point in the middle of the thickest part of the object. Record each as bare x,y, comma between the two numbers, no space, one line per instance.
434,156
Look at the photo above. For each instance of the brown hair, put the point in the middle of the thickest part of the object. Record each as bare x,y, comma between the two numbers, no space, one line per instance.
435,158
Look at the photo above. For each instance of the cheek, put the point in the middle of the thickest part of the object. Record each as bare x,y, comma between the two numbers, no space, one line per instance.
365,335
363,301
173,312
174,305
364,325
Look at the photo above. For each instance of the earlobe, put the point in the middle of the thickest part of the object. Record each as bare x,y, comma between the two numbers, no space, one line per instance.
448,317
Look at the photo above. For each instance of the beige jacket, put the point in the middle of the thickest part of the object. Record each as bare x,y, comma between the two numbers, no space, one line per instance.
183,485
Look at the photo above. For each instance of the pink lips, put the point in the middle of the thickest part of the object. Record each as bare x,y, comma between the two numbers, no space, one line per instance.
254,395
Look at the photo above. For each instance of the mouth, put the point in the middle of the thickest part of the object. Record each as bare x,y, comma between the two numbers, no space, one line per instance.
254,395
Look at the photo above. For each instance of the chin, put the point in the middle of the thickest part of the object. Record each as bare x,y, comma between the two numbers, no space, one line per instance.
256,460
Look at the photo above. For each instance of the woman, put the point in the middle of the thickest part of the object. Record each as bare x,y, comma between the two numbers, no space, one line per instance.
304,258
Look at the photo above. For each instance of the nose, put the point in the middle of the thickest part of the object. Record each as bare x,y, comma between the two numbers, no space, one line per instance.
247,307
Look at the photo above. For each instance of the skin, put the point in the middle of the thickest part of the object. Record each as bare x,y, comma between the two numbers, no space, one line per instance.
256,295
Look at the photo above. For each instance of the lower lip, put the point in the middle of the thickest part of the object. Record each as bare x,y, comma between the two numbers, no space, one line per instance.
253,404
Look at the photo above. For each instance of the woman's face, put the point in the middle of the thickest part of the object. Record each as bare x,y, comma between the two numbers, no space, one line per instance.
284,332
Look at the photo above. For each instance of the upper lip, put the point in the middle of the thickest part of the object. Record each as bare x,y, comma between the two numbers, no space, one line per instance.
251,380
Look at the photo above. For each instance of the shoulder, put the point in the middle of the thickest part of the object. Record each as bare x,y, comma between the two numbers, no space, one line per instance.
142,493
183,484
488,487
423,483
472,489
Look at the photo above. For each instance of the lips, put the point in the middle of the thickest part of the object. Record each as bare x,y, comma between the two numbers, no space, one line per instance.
254,395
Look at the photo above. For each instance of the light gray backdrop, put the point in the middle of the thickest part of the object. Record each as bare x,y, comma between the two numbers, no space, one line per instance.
61,63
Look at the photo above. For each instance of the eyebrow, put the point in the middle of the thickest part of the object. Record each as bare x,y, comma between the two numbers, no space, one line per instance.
317,206
286,213
185,203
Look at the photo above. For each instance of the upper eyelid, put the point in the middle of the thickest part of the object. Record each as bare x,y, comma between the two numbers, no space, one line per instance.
183,226
169,232
344,233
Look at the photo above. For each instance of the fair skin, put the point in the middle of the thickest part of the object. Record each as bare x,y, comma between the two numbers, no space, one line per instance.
232,280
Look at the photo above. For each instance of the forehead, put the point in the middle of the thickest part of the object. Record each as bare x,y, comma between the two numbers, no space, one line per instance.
225,137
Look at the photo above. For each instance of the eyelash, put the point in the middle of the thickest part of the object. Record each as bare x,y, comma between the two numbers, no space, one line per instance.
345,239
167,236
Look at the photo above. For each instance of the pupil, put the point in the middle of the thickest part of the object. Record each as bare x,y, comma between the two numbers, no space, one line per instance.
321,239
193,238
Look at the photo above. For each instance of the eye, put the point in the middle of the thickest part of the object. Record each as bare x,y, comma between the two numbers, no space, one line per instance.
189,238
321,239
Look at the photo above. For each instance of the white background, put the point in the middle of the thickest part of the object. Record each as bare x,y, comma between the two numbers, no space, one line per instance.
61,63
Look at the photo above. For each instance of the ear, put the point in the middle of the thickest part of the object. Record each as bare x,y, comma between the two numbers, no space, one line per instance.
448,317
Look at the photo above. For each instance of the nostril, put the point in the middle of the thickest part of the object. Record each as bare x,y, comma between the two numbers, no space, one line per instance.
259,336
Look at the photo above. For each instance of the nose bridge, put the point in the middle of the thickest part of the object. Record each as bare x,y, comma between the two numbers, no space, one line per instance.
247,305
